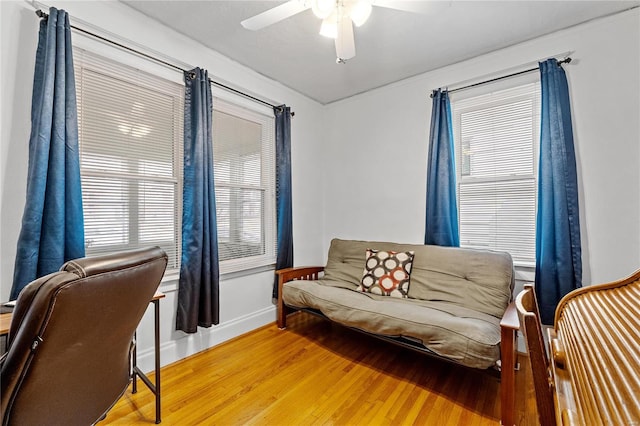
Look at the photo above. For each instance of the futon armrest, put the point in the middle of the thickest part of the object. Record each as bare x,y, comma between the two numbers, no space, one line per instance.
510,318
290,274
509,325
299,273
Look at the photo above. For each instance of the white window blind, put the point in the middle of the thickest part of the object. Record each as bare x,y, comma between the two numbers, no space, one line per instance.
130,131
496,138
244,173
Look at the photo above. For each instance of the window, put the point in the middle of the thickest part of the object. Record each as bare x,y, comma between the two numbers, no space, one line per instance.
130,129
496,141
244,174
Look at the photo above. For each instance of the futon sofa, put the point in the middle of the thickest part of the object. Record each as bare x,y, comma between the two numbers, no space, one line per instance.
451,304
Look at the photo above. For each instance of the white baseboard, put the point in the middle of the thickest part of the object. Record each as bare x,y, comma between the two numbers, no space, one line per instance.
189,344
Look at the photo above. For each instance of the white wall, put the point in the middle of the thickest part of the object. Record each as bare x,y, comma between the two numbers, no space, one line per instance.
245,300
376,146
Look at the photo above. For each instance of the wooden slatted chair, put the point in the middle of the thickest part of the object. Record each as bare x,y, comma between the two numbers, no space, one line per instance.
531,326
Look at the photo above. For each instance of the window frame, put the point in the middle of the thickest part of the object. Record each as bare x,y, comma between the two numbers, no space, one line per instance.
509,84
91,64
239,106
232,106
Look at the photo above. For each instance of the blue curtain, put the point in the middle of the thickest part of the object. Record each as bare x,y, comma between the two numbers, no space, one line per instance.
199,287
558,250
283,191
52,223
441,227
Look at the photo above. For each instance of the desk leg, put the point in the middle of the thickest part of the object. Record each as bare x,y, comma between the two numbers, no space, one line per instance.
508,376
154,388
157,354
134,384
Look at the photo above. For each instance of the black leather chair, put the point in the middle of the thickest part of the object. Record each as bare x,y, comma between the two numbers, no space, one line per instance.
68,357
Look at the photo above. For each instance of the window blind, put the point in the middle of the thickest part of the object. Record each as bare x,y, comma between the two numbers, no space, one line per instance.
244,173
130,129
496,138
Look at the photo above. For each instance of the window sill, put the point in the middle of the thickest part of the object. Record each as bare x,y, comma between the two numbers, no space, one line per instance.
171,277
525,271
246,265
249,271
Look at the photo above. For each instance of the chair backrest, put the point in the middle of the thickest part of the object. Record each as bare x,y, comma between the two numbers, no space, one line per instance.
69,343
531,326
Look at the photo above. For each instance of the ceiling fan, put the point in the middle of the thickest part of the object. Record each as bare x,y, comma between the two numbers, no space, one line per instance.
338,18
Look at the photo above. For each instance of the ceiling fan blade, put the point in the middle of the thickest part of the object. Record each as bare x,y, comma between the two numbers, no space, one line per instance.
415,6
345,44
273,15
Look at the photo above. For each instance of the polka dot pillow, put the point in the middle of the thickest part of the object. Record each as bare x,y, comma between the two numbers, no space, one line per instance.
387,273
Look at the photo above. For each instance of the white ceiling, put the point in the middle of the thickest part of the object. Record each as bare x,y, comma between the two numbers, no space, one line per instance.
390,46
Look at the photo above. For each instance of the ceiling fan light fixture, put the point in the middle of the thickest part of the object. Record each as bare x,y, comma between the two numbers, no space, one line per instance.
323,8
360,12
329,27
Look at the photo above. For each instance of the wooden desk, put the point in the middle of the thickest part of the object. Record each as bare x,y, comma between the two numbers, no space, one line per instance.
5,322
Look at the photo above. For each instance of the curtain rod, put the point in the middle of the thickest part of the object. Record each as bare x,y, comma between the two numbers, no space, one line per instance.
564,61
44,15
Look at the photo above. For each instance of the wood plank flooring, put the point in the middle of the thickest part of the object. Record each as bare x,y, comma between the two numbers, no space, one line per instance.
318,373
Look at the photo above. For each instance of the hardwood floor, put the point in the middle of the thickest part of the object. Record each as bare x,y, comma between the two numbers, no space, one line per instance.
318,373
